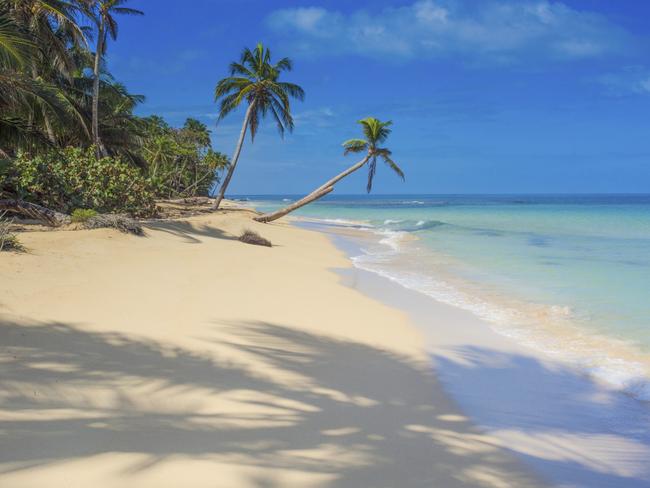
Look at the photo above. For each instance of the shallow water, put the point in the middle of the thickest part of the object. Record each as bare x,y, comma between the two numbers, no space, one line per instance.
569,275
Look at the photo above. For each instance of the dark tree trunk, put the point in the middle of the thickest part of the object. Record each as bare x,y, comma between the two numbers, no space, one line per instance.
34,211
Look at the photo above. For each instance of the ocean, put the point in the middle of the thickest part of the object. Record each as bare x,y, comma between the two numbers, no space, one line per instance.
566,274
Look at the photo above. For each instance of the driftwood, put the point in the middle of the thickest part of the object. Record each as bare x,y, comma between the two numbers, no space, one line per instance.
120,222
57,219
189,200
34,211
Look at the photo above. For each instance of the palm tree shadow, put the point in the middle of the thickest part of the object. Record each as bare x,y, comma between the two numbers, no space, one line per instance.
576,431
353,414
189,231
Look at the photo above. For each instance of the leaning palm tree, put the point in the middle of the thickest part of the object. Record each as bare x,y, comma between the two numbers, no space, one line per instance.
103,12
375,132
255,80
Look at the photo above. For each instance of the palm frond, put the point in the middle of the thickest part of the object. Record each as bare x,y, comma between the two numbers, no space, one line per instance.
254,79
354,146
15,47
385,154
375,130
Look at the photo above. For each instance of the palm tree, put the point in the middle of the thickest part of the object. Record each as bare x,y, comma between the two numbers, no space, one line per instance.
51,27
375,132
254,79
104,12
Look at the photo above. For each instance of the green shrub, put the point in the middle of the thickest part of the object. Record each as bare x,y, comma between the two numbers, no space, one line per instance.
76,178
81,215
8,240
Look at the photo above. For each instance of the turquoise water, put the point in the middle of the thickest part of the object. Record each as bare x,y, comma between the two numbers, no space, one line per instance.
570,274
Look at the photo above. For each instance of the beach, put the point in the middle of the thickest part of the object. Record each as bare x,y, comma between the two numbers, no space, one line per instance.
188,358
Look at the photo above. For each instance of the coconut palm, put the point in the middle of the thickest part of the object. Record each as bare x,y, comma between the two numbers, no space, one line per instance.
103,12
255,80
376,132
50,27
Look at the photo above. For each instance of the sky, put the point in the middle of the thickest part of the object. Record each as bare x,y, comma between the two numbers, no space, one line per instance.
489,96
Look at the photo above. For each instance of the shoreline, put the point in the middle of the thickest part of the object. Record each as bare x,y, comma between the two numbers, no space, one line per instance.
186,354
572,429
551,329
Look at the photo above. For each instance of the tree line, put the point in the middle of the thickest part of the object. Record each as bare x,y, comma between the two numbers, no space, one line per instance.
69,137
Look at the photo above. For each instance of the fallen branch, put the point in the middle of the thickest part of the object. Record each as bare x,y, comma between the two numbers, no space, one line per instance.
34,211
189,200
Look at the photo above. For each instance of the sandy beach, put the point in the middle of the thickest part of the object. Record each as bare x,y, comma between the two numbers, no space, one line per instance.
187,358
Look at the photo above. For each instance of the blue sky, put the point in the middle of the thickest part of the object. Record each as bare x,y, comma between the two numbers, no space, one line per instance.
490,96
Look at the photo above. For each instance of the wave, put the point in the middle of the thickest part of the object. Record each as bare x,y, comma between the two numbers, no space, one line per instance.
412,225
552,329
357,224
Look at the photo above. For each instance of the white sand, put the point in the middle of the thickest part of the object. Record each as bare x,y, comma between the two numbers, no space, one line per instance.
186,358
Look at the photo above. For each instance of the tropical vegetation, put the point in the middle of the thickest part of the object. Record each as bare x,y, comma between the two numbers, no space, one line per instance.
69,136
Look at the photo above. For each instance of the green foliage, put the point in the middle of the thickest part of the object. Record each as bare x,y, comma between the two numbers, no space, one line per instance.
376,132
46,78
5,166
8,240
81,215
180,162
255,79
76,178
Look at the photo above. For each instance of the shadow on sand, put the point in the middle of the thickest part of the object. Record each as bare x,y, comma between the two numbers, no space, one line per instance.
190,231
574,430
360,416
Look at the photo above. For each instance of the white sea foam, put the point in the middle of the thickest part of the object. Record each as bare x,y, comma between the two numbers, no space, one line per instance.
339,222
392,239
545,328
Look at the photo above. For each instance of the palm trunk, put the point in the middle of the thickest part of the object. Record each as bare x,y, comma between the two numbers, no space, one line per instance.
48,128
235,158
319,192
95,123
313,196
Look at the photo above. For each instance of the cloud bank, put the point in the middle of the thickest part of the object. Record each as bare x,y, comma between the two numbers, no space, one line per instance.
495,30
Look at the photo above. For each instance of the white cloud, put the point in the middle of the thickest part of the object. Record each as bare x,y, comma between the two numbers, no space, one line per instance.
504,30
632,80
